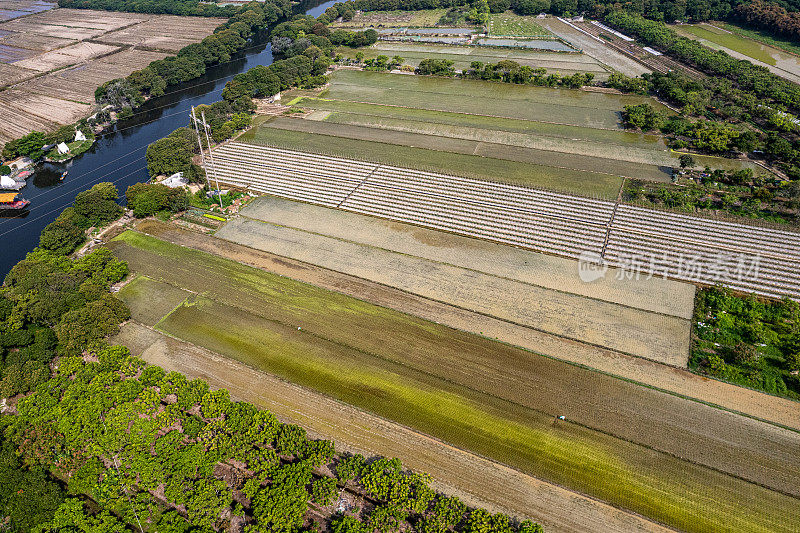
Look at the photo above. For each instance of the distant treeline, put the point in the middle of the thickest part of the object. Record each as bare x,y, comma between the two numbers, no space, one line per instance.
166,7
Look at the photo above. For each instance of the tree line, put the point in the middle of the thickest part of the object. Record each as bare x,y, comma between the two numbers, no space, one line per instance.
742,107
98,441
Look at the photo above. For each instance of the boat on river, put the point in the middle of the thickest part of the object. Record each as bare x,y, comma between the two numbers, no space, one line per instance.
11,201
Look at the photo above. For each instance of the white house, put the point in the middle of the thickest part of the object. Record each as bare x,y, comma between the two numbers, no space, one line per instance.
79,136
62,148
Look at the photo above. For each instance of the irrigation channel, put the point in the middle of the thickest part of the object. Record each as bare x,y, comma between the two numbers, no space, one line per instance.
119,154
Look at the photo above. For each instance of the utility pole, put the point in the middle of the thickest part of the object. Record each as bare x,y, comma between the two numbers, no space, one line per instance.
208,143
200,145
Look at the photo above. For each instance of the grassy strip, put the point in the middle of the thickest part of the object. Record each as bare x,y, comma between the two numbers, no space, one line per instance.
674,491
484,55
488,168
557,154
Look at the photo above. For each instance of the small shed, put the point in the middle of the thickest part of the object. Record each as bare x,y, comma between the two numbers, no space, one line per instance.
62,148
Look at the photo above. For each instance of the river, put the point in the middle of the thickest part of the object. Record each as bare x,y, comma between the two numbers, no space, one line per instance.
119,155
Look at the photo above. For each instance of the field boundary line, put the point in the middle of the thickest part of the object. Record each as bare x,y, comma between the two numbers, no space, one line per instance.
359,184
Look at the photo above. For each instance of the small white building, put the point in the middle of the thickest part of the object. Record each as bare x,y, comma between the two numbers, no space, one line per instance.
175,181
79,136
62,148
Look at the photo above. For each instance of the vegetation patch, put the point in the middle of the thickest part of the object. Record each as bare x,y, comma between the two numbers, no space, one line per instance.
732,41
748,341
509,24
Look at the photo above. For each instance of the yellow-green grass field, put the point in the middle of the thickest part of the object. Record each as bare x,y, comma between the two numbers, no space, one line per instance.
557,154
737,43
510,25
283,133
762,37
289,335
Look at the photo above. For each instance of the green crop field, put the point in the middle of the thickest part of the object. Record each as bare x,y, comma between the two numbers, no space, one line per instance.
353,351
413,19
477,166
510,25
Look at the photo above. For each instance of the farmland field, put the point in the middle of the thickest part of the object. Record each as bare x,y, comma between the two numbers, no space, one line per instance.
510,25
56,59
450,401
501,488
424,159
621,138
378,19
543,152
463,56
740,46
350,276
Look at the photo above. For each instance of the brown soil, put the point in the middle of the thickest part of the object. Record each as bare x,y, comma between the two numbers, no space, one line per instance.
476,480
65,48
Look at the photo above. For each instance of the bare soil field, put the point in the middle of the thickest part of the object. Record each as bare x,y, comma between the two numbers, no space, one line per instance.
657,295
558,154
69,55
34,42
165,33
54,62
476,480
507,392
628,330
11,9
681,383
14,74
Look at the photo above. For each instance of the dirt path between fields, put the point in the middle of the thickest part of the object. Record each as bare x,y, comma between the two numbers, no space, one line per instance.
751,403
476,480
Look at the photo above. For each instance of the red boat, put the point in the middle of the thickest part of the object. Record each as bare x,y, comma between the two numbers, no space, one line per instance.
10,201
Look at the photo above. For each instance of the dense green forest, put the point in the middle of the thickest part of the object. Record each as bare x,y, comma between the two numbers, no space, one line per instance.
94,440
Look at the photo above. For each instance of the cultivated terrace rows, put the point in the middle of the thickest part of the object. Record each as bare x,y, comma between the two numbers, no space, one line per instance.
642,242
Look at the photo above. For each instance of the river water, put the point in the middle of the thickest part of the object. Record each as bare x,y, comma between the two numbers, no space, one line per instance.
119,155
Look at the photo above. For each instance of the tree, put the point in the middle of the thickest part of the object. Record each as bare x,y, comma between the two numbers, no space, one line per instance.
172,153
64,234
99,204
686,161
